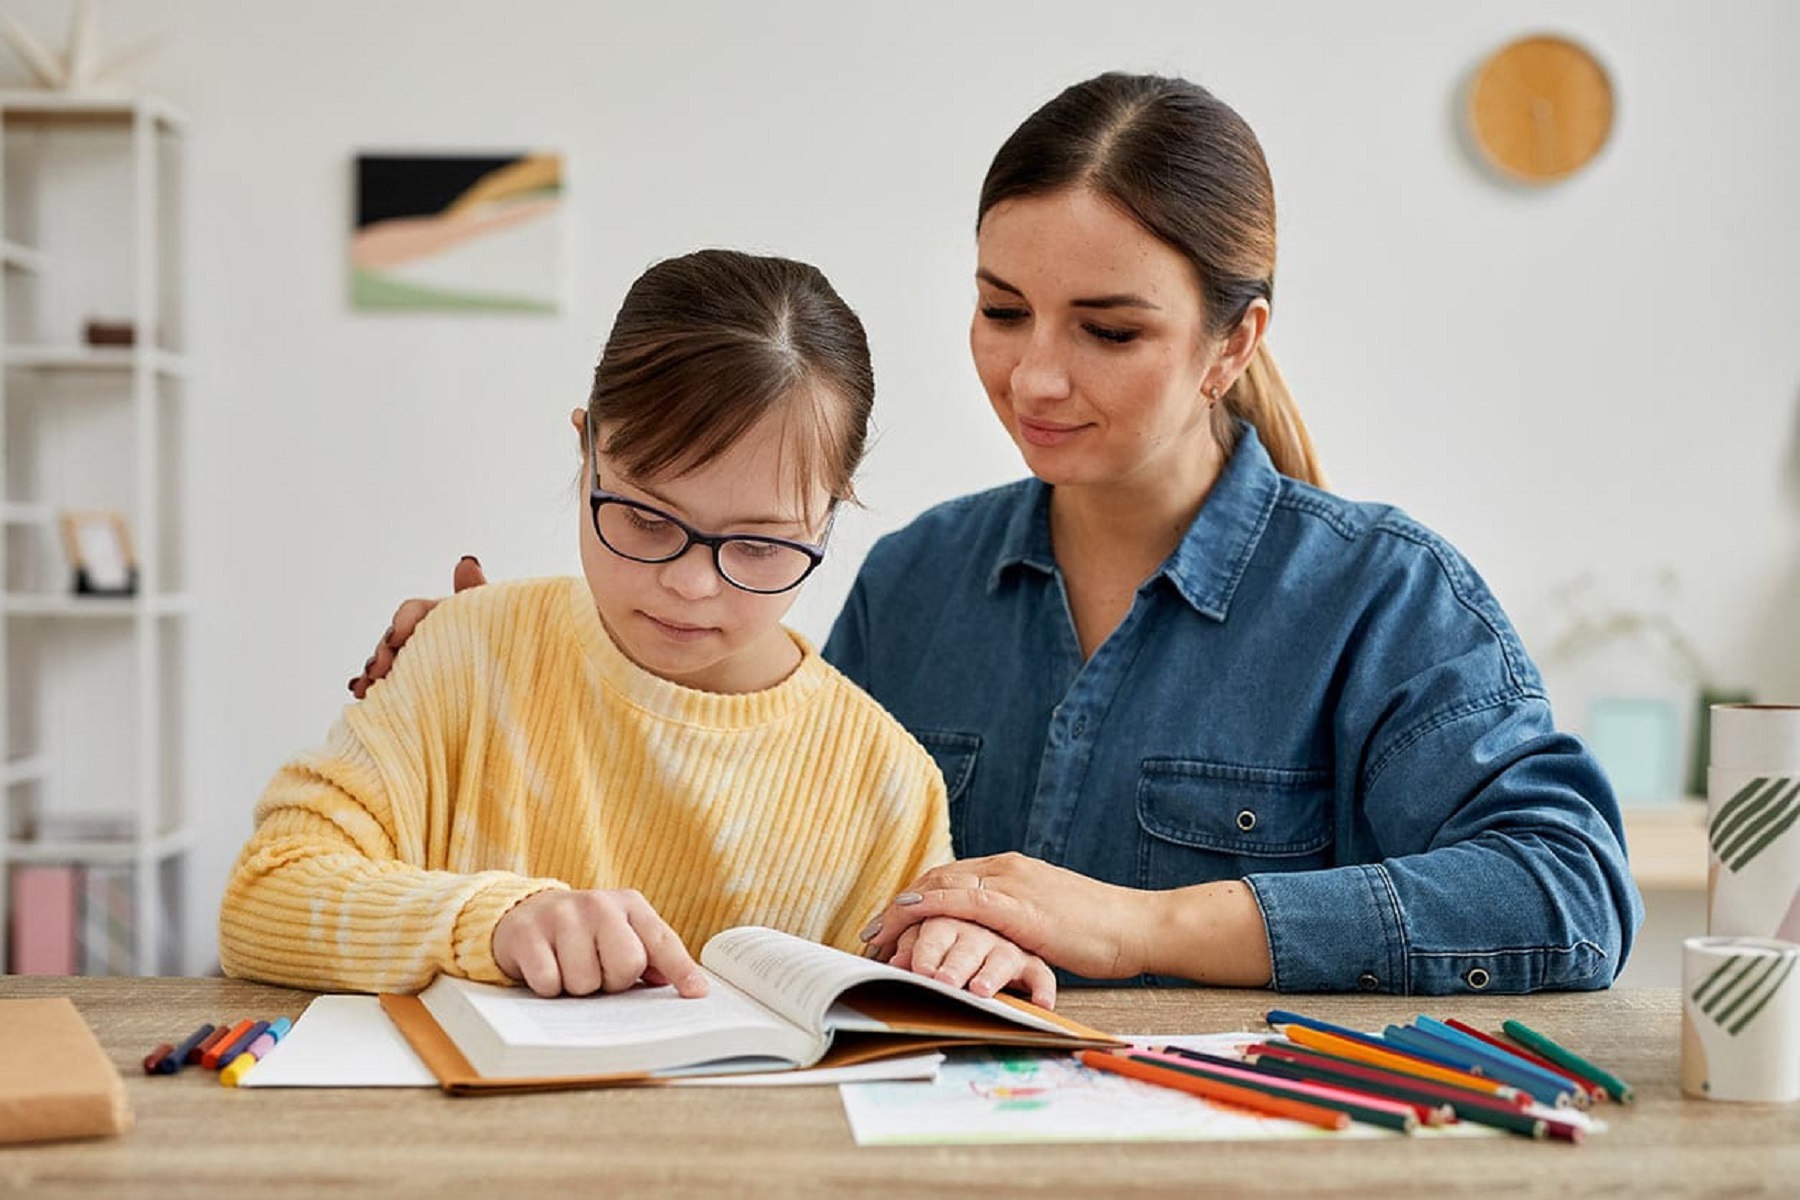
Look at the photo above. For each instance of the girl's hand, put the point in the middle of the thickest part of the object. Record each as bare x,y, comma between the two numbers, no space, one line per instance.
1072,921
963,954
467,574
582,942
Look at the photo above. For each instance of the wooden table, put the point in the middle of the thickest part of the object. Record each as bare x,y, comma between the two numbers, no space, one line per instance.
195,1138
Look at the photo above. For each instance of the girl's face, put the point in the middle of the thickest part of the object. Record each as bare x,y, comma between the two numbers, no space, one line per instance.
1090,337
679,619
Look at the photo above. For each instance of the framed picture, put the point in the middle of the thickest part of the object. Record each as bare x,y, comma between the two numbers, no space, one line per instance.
98,543
468,233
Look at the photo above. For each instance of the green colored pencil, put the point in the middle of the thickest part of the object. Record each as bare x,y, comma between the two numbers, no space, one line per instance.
1530,1038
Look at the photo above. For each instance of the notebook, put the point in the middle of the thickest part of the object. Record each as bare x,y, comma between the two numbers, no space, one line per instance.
55,1080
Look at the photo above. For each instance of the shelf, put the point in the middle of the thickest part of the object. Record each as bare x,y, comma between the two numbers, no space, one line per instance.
164,845
94,358
33,769
21,258
27,514
48,107
32,604
1667,844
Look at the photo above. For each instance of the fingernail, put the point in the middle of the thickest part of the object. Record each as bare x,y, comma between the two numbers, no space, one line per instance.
909,898
471,558
870,930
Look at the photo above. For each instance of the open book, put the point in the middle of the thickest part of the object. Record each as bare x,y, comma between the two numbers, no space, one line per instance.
776,1002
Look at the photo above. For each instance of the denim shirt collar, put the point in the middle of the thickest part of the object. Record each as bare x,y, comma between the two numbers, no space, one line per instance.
1206,565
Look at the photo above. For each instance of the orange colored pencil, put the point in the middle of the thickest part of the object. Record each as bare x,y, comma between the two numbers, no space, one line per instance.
1274,1106
1393,1061
210,1060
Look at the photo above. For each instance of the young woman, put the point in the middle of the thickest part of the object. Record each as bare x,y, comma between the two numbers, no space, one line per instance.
570,781
1200,719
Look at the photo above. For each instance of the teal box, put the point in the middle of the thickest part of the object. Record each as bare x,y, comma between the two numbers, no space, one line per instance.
1636,739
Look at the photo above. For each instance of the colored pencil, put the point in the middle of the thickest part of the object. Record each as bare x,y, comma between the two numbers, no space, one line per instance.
173,1061
207,1043
1427,1109
1594,1091
1381,1111
1467,1106
1449,1092
1554,1092
211,1058
1505,1063
1615,1087
156,1056
1395,1060
1212,1089
1278,1016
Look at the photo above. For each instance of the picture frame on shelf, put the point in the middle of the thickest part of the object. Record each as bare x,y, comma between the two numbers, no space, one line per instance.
98,543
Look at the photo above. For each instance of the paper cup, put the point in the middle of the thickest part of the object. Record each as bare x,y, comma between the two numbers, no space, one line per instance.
1740,1019
1753,822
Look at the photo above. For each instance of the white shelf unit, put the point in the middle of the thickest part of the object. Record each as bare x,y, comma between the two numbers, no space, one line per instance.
93,713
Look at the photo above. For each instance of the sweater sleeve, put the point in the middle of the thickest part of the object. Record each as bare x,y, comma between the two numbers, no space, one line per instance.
334,890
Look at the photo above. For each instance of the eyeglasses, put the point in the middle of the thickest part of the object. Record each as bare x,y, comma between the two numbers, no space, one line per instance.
750,562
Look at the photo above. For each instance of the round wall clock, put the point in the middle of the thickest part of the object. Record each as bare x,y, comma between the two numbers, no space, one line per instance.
1540,108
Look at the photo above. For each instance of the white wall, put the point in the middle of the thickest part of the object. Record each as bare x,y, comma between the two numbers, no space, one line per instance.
1601,376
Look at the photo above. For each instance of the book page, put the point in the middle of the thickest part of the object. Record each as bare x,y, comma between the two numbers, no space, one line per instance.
800,979
509,1031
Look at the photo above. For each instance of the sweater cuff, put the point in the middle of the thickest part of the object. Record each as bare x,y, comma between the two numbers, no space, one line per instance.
1336,930
474,934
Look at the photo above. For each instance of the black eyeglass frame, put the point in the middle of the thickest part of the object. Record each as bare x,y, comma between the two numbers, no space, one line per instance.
598,497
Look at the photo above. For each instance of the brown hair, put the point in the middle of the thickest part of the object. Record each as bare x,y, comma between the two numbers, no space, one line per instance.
708,344
1188,169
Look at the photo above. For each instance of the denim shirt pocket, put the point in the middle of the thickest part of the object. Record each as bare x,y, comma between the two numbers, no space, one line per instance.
1204,821
955,755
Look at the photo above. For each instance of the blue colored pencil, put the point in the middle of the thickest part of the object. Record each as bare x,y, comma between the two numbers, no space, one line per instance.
1502,1059
1417,1041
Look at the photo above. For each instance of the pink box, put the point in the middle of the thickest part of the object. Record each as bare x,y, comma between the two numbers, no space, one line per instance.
45,908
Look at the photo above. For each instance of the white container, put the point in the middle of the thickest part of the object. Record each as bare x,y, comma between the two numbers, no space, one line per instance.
1740,1019
1753,822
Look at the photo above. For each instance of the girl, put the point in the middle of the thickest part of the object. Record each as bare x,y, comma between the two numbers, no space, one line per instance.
570,781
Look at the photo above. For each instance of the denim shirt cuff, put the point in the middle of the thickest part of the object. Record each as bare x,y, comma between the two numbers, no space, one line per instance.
1337,930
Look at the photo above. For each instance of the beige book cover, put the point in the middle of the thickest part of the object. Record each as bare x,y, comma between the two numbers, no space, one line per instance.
55,1080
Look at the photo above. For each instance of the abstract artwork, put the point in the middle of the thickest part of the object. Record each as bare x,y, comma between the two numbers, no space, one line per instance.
469,233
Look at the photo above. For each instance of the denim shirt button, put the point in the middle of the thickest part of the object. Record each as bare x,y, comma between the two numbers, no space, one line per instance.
1477,978
1080,726
1246,820
1367,982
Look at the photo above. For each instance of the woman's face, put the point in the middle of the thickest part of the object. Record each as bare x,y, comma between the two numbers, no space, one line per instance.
679,619
1090,337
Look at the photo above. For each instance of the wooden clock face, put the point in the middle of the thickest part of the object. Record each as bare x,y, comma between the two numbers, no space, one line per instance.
1540,108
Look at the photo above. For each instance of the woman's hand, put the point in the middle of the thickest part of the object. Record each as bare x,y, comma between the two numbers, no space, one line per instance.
1079,924
1211,933
963,954
582,942
406,618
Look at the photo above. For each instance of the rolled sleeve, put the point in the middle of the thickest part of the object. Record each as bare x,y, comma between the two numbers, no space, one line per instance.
1333,931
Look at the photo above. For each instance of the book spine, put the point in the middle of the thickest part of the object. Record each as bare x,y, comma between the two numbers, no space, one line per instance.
44,911
106,921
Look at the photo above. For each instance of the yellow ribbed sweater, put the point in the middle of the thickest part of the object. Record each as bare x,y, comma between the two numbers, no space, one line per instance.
514,748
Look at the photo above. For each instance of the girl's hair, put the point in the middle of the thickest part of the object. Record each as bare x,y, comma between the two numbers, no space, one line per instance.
1187,168
708,344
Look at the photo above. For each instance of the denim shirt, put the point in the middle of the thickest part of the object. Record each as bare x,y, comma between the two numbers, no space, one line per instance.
1316,696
